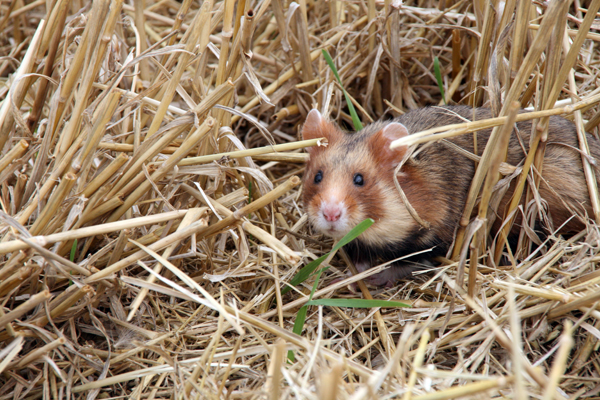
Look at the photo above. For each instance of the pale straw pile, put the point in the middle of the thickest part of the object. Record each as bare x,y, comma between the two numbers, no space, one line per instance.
151,213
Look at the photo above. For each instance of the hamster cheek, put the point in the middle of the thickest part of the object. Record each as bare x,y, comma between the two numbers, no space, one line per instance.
314,214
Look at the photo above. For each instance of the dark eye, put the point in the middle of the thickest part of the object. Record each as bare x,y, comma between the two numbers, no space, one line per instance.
319,177
359,180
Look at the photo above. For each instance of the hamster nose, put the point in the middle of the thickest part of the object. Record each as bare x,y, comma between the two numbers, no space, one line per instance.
332,212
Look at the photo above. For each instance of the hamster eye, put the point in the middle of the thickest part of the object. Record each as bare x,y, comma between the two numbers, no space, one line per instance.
319,177
359,180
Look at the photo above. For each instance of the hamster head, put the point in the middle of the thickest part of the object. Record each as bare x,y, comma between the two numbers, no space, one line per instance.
351,179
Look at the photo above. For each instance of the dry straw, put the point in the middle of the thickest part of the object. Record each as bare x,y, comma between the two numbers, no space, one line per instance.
151,215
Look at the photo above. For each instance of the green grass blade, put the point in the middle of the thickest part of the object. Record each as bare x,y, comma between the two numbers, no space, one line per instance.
356,303
355,120
307,271
438,77
298,326
301,317
73,250
329,61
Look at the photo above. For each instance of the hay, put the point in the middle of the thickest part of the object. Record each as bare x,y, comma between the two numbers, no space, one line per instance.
149,185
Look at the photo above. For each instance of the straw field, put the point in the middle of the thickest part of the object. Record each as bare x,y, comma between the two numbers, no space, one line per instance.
151,214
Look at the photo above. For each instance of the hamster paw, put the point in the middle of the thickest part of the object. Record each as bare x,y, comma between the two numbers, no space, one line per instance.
388,277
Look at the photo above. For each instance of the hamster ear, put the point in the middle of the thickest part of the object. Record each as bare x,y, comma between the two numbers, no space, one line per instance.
312,125
380,143
394,130
316,127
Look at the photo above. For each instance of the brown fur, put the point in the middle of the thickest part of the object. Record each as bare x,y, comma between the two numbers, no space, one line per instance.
436,180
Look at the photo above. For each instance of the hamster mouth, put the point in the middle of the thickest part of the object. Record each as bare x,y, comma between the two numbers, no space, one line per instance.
334,232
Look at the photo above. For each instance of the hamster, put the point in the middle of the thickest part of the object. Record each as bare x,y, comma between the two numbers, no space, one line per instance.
351,179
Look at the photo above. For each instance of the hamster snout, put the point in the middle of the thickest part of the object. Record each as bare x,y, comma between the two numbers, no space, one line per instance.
332,217
332,211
